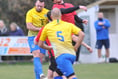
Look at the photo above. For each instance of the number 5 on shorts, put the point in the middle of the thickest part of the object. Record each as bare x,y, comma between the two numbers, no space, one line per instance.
61,38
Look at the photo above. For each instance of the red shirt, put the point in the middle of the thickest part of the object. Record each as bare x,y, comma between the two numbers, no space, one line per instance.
51,53
66,17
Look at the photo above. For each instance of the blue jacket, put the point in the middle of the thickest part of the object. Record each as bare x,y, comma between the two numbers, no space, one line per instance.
18,32
102,33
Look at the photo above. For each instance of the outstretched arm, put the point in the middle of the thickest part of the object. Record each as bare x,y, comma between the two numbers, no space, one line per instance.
68,10
88,47
75,39
78,39
79,20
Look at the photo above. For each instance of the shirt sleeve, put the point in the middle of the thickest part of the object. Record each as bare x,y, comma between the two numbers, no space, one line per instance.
75,29
68,10
28,17
107,23
43,34
97,27
74,13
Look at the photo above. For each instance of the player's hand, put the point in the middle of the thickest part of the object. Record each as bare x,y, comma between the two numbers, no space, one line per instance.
49,48
75,48
100,23
83,7
89,49
85,21
103,27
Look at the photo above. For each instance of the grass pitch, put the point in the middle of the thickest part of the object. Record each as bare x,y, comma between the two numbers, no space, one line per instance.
83,71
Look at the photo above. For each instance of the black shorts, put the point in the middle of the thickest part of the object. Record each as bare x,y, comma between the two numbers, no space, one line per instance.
101,43
53,66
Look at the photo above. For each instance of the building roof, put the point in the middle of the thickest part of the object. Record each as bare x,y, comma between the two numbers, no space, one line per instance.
102,2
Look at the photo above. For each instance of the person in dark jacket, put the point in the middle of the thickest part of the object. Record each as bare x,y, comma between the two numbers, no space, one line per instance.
3,29
102,30
15,31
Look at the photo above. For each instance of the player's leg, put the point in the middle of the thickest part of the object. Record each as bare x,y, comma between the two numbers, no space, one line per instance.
37,63
77,56
74,38
107,46
99,44
50,74
107,53
67,69
99,47
36,57
51,70
99,53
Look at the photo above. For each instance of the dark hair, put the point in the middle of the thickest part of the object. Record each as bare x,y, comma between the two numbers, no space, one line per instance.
41,0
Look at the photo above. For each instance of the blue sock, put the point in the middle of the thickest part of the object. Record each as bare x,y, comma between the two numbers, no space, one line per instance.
37,67
58,77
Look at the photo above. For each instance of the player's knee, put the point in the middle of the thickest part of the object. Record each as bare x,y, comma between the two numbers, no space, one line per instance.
41,55
50,74
64,77
72,77
36,53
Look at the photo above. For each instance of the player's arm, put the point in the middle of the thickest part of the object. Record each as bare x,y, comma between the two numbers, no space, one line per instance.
29,24
63,11
78,39
107,24
79,20
77,31
75,39
72,9
87,46
68,10
97,26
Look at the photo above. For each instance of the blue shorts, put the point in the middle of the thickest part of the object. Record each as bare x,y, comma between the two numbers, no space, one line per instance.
65,64
34,47
101,43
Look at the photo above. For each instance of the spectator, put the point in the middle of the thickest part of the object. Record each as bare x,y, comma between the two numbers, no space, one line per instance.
15,31
102,29
3,29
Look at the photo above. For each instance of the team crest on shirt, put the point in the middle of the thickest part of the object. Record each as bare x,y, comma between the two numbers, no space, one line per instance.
33,46
35,16
45,15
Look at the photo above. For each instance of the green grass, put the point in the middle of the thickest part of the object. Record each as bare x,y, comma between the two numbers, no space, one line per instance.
83,71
